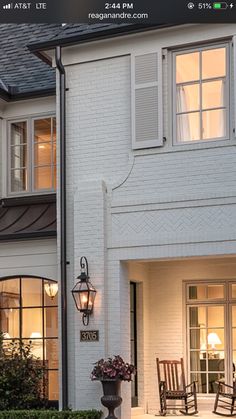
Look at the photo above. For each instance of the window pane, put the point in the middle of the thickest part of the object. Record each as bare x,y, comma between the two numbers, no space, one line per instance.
233,290
197,292
234,317
42,130
197,316
51,322
32,323
54,177
213,94
9,323
187,67
187,98
215,292
31,292
10,293
54,129
213,124
36,346
18,133
188,127
18,180
217,364
213,63
53,385
215,316
18,157
43,178
54,153
51,353
42,154
234,339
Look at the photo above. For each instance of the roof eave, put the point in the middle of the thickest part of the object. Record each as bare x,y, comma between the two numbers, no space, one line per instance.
37,48
27,95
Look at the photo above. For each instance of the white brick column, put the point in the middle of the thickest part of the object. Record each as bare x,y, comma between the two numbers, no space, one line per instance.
89,241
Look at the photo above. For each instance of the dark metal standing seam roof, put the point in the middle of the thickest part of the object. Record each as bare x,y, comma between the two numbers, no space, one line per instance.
28,217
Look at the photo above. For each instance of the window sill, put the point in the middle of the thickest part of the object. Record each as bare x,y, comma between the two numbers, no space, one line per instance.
174,148
27,200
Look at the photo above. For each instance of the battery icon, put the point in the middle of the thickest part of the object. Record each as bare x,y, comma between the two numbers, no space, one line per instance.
220,6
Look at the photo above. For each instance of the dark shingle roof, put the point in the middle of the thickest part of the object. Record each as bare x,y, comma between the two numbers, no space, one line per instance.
21,71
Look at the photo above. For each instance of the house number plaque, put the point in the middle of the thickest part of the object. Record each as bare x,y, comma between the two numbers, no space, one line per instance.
89,335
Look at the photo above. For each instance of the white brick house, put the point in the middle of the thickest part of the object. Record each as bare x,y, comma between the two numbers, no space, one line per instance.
151,200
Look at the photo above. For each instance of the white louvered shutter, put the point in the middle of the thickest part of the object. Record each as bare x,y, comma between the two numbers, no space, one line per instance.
234,84
146,82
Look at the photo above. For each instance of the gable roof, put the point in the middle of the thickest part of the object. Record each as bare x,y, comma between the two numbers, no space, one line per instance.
21,72
27,75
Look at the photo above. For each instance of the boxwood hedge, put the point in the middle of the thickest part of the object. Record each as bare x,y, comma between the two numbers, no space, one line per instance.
49,414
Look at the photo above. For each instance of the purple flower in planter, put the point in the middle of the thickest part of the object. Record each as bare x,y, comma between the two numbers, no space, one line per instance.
113,368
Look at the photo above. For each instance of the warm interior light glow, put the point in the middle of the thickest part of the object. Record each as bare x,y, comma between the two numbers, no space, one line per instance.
35,335
213,339
51,289
6,335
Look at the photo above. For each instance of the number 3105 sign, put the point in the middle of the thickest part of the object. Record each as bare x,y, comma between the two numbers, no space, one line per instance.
89,336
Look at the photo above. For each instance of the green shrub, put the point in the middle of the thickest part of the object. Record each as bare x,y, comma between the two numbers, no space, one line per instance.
49,414
21,377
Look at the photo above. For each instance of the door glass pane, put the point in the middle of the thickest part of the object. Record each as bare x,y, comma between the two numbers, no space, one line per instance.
195,357
213,124
215,340
32,323
213,63
215,316
187,67
201,382
51,353
31,292
188,127
10,293
53,385
195,339
51,322
9,323
187,98
212,378
197,316
213,94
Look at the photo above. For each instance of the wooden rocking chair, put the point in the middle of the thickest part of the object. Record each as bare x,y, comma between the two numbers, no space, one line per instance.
225,399
171,381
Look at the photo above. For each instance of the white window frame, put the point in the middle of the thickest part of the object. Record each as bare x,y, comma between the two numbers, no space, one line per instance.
227,301
199,48
30,156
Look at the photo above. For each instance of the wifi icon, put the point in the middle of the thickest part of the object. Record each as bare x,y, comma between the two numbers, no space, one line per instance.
7,6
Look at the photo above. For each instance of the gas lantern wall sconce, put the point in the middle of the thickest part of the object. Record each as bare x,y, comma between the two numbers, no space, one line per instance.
84,293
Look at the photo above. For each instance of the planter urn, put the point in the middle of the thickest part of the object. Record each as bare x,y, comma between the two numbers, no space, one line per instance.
111,396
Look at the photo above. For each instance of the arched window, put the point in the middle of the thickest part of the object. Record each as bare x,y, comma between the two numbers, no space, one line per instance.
27,312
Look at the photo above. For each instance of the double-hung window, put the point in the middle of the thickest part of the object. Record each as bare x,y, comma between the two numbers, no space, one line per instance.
201,94
32,155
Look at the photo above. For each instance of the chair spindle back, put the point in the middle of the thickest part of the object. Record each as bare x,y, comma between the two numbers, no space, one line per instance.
172,372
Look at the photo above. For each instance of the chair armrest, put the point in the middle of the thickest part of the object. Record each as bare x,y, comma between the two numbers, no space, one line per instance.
193,383
220,383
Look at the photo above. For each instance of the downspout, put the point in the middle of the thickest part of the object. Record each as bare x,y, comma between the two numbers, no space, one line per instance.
62,121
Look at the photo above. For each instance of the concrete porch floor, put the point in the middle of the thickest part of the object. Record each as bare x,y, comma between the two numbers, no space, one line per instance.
200,415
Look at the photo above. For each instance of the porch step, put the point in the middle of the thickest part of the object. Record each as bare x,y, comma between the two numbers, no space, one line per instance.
137,411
